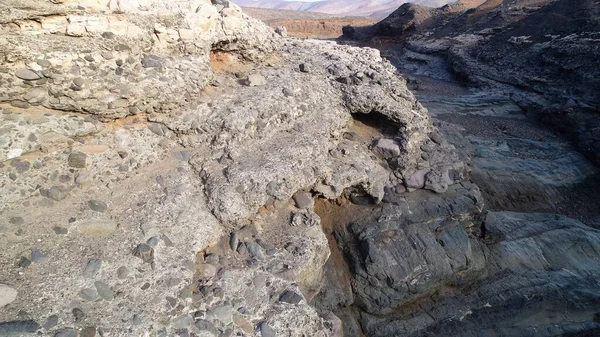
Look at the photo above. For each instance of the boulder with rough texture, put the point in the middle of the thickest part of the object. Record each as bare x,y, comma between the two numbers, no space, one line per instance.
519,283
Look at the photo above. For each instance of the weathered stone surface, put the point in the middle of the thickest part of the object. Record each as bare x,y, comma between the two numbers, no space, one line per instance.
7,295
98,227
26,74
77,159
183,165
386,148
18,328
303,199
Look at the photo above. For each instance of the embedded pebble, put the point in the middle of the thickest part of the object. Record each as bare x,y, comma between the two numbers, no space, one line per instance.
97,206
51,322
26,74
122,272
92,268
88,294
98,227
104,291
66,332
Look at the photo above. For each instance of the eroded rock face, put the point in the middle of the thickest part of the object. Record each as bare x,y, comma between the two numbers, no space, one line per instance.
519,282
120,59
132,144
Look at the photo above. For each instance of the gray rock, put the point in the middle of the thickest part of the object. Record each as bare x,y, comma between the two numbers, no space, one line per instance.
223,313
144,252
16,220
7,295
182,322
417,180
78,81
266,330
182,155
18,328
88,294
104,291
44,63
89,331
107,55
386,148
224,3
281,30
255,250
305,68
123,272
77,159
152,61
303,200
38,257
97,206
291,297
51,322
78,314
24,262
152,242
56,193
288,92
108,35
66,332
205,327
92,268
156,129
26,74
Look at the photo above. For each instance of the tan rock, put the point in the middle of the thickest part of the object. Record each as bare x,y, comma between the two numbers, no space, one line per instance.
98,227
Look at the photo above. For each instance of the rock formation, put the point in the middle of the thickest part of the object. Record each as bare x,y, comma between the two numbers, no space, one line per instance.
544,52
150,153
177,168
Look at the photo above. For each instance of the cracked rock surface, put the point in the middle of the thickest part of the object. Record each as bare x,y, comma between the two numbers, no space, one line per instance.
150,155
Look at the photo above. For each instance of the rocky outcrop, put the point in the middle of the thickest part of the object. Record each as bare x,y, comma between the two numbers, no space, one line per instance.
519,286
541,52
154,155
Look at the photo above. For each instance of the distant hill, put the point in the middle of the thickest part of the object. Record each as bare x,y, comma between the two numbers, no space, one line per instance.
375,8
305,24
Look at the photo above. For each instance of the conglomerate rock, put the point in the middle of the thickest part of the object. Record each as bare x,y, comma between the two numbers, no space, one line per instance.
149,154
